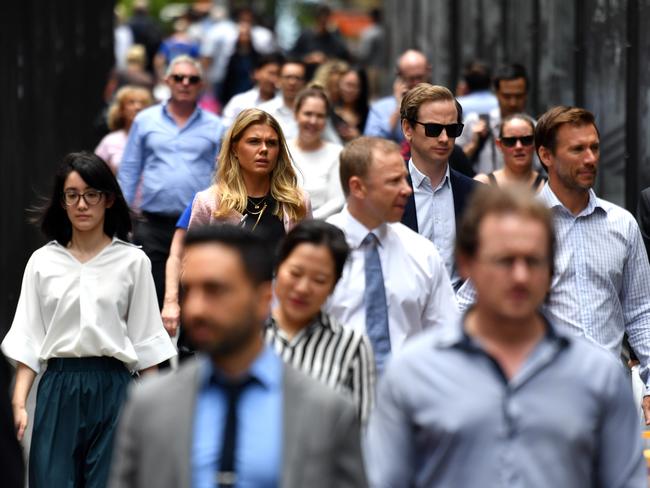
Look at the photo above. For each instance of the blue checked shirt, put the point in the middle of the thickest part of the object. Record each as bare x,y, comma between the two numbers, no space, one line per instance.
601,284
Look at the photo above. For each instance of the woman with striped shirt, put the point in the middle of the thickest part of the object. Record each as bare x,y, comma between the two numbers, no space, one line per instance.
310,263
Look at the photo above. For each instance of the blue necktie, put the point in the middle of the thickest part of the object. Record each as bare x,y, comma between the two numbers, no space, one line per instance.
375,300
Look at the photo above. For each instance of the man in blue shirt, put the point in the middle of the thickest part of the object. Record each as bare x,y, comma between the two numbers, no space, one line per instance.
384,119
238,416
504,398
170,155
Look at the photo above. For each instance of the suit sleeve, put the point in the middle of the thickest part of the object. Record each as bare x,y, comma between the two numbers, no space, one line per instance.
126,449
349,471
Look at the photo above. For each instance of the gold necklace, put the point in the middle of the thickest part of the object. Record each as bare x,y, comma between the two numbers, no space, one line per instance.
259,215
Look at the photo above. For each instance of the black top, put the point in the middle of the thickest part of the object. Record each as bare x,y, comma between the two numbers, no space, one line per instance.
536,184
260,217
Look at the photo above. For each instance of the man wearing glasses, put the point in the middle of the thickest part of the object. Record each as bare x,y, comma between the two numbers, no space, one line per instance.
431,121
169,156
383,118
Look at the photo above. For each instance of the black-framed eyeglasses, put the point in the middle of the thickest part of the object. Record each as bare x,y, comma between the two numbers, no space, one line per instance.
512,141
91,197
432,129
191,79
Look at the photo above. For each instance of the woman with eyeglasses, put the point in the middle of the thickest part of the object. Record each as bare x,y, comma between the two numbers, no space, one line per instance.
316,159
517,143
88,315
310,263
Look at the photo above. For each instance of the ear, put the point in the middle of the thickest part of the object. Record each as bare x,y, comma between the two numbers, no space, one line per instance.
407,130
497,143
110,200
357,187
545,156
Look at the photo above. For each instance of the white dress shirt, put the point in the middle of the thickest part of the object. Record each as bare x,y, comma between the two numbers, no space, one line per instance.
240,102
436,216
318,175
418,291
283,114
104,307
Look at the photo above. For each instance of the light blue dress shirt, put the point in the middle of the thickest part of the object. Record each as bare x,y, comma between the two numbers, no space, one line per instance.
481,102
436,216
258,455
447,416
174,163
601,284
378,121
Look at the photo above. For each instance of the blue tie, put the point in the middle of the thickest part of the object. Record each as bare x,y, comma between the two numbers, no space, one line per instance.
375,299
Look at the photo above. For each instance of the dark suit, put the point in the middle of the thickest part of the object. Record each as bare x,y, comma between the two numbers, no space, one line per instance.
321,439
461,189
643,216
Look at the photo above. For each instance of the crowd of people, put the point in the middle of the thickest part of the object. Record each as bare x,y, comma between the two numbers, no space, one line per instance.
415,290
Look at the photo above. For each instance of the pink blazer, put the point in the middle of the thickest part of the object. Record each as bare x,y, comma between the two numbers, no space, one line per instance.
205,203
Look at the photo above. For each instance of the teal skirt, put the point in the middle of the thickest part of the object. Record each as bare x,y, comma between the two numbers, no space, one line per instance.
77,408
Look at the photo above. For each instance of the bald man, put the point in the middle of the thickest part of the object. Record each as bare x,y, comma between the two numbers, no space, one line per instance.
383,118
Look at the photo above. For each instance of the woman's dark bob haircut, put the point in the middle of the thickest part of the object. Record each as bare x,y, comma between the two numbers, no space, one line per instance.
96,173
319,233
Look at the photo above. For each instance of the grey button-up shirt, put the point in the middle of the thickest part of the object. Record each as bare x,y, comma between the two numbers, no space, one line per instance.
447,416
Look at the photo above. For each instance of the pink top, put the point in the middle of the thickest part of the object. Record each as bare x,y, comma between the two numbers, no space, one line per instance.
205,204
111,147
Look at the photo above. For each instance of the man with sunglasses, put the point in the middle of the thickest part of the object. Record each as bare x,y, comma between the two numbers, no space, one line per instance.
431,121
169,156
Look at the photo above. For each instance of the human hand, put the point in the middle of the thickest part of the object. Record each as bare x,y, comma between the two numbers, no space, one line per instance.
399,90
645,405
171,314
20,420
480,129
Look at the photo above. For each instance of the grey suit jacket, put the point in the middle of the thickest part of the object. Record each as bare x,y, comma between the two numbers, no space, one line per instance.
321,440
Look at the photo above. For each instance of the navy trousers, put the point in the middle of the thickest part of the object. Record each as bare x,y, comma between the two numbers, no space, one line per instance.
77,408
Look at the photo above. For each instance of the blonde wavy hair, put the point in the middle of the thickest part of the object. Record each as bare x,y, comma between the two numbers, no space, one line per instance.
229,181
116,110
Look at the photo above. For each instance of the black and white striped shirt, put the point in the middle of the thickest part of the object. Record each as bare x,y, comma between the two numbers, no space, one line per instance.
337,356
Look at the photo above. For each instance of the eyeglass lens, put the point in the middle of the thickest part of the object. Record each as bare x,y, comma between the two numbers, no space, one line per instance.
512,141
191,79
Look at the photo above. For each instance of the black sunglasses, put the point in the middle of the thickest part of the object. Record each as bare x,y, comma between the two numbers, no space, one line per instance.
512,141
191,79
434,130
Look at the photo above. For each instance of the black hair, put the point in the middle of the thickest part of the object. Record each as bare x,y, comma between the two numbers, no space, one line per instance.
271,58
361,106
320,233
510,72
477,76
97,174
253,249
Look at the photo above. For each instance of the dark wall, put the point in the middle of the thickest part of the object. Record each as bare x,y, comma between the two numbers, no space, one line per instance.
590,53
55,60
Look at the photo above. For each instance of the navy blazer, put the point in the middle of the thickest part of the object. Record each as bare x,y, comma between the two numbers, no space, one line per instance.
461,188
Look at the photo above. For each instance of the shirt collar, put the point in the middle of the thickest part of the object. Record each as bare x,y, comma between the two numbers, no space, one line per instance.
195,115
356,232
457,336
266,370
419,178
551,200
321,320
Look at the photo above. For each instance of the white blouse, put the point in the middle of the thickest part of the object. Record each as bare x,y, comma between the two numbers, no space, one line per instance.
104,307
318,174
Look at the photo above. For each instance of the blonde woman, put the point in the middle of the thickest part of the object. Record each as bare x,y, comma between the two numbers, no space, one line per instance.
255,187
128,101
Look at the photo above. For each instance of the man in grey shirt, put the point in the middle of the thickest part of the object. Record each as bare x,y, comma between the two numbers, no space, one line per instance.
504,399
